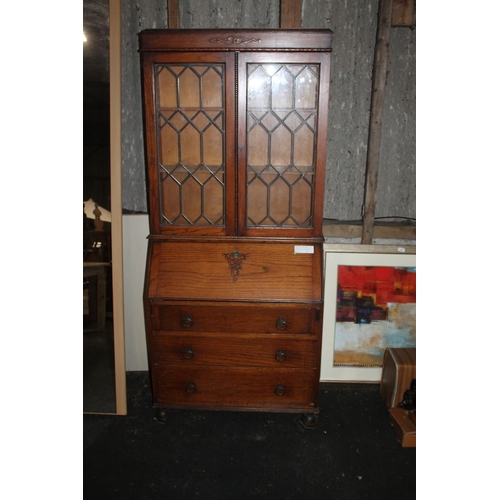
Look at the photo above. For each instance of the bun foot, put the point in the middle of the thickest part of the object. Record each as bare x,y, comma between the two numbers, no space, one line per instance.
161,415
309,420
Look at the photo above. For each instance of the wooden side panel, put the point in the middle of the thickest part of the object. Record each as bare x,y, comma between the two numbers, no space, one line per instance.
262,271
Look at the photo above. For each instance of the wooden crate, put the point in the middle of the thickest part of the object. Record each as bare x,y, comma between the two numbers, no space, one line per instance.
405,426
398,370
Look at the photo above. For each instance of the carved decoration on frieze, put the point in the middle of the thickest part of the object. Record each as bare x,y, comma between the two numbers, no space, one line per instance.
234,40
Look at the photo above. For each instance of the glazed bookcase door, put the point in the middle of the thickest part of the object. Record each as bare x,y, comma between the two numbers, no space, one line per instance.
282,130
189,103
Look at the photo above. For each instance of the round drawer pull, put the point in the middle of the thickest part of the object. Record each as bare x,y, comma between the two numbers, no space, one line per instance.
280,355
190,387
281,323
188,352
279,390
187,321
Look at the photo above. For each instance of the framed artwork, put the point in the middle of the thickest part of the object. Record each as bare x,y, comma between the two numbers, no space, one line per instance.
370,304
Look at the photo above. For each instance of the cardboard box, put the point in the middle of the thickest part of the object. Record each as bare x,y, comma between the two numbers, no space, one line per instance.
404,423
398,370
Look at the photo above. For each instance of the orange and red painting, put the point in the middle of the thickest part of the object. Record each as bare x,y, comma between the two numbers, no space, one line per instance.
376,308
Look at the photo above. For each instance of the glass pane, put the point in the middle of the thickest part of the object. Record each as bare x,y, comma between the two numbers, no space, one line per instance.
282,110
191,135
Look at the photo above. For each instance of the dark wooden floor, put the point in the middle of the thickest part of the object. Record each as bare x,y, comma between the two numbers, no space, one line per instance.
352,453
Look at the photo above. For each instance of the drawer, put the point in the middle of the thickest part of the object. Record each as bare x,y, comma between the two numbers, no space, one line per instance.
236,318
235,387
234,270
280,351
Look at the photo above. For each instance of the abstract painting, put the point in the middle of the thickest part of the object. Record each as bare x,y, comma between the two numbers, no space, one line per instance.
376,308
370,304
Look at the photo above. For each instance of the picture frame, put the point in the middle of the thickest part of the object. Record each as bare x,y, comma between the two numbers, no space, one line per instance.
365,256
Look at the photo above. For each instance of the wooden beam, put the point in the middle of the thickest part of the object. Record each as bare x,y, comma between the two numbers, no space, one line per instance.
352,248
403,12
291,14
386,231
174,21
376,112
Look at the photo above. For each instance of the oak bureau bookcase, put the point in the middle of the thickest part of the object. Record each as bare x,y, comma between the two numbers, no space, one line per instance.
235,134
